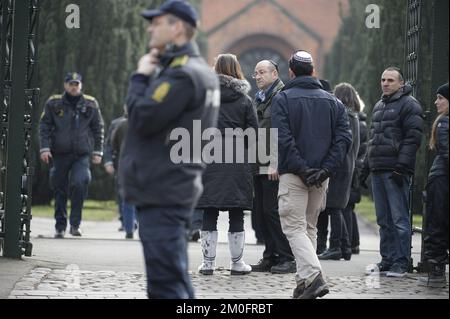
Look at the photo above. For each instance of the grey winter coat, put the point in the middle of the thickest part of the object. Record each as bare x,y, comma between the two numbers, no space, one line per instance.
230,185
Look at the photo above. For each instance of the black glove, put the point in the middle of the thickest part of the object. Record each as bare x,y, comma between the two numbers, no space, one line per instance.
398,178
363,178
318,177
304,175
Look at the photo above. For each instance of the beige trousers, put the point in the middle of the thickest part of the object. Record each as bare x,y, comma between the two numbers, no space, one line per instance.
299,208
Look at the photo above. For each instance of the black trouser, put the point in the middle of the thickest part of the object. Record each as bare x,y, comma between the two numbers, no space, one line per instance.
355,229
339,235
256,222
236,220
266,204
322,230
347,214
436,220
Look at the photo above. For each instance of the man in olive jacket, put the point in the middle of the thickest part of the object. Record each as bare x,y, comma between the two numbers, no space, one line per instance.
277,256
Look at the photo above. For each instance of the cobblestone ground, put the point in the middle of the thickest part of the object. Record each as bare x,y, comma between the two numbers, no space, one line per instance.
73,283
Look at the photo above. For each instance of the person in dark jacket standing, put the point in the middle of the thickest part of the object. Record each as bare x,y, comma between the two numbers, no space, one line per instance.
164,185
313,139
111,160
277,255
229,186
67,124
395,137
339,187
114,141
436,218
355,192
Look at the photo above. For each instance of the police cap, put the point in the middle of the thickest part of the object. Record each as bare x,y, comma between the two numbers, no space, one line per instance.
178,8
73,77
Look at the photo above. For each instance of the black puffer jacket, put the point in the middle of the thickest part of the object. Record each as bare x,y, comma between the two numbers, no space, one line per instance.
440,164
395,133
230,185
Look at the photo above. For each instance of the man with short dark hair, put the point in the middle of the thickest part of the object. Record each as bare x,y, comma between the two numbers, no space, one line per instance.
395,137
313,138
172,88
67,124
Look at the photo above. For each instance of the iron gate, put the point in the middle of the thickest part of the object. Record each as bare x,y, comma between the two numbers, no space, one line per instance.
18,98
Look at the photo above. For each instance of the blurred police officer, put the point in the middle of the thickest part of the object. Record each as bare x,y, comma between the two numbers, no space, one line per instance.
66,129
172,87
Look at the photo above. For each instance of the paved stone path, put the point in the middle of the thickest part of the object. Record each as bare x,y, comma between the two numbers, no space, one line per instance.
74,283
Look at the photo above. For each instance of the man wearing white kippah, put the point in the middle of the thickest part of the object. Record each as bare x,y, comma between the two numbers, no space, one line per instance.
313,138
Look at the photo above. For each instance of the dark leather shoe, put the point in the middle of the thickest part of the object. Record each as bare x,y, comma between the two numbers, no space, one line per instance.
298,291
75,231
129,236
286,267
264,265
346,253
60,234
331,254
320,249
318,288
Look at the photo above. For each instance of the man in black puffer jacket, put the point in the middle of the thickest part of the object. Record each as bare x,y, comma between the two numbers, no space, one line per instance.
395,136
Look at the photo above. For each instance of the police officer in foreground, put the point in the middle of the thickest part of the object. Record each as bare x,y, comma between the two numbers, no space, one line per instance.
67,124
172,87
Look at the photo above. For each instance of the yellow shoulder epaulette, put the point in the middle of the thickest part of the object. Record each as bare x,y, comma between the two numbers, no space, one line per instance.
179,61
89,98
55,97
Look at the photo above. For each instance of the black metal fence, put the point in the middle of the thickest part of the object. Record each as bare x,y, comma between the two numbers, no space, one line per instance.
18,97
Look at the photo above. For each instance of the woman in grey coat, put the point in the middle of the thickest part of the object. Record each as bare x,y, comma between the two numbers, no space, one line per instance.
228,186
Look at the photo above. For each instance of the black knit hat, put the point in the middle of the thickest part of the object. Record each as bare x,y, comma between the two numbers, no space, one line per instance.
443,90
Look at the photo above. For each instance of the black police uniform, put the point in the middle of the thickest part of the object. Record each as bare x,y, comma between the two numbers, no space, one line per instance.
165,192
71,128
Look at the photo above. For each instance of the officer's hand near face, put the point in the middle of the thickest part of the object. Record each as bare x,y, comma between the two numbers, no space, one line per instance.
46,157
96,159
148,63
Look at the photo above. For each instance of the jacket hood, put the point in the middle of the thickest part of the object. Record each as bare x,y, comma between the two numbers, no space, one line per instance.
406,90
305,82
232,89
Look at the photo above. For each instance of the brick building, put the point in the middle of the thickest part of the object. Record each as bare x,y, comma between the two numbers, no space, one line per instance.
261,29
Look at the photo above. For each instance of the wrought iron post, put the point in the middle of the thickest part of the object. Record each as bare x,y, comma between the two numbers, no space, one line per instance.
437,69
18,61
426,66
413,28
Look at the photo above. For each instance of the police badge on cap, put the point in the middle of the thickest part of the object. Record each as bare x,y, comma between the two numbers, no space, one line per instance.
73,77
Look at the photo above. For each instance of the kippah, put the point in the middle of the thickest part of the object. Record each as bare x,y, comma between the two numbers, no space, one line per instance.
303,56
